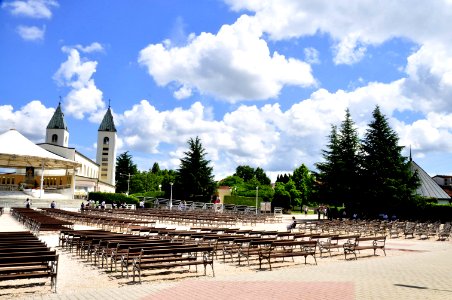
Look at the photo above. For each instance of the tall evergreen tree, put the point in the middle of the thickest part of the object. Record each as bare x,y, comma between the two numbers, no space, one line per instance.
388,181
339,174
125,169
155,168
195,179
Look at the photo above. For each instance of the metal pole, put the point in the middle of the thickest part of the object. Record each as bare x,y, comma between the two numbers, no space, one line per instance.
128,184
257,194
171,197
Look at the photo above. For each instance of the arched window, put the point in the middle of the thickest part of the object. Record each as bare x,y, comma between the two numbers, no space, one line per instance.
54,138
106,141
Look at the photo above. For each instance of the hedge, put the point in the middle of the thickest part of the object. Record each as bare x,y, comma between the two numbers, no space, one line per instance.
112,198
240,200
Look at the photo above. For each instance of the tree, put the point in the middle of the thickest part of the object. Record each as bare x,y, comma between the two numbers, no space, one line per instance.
125,169
340,173
260,175
195,177
231,181
388,181
304,182
244,172
155,168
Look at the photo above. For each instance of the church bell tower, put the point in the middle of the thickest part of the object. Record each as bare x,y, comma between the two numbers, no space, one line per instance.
56,132
106,148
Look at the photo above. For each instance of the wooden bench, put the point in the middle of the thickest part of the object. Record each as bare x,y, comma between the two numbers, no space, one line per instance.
288,248
172,257
250,248
365,243
336,242
27,265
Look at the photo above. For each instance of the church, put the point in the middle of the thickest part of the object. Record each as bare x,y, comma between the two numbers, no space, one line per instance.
90,176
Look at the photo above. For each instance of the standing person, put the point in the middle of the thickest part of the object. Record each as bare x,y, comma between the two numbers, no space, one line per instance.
102,204
305,209
53,204
142,204
82,206
27,203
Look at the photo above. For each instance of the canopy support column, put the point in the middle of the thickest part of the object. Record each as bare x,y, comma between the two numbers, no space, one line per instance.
42,180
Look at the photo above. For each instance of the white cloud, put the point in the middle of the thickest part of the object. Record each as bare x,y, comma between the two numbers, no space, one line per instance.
94,47
352,24
31,33
235,64
31,119
76,73
38,9
311,55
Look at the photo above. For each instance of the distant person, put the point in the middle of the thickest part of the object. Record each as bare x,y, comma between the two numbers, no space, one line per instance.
293,224
53,204
27,203
102,204
306,210
82,206
142,204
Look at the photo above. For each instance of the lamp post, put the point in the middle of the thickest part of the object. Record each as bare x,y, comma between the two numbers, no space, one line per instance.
160,187
128,181
257,194
171,197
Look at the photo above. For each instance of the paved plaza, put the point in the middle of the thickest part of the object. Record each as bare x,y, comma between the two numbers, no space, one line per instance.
412,269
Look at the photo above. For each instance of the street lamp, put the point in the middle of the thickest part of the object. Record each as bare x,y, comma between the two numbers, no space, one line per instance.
257,194
171,197
160,187
128,181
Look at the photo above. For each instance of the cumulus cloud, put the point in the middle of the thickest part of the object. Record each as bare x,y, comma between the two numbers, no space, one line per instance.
76,74
38,9
31,119
94,47
235,64
31,33
353,25
311,55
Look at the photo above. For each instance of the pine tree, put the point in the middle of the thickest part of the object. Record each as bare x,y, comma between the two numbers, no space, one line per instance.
125,169
339,175
388,181
195,179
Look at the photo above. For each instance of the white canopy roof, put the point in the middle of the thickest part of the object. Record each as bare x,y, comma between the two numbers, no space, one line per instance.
16,151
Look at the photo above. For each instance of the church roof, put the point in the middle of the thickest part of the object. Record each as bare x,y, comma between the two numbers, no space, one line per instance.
107,122
57,121
428,187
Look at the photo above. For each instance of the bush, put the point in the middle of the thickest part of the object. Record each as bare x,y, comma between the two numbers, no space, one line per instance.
152,194
110,198
240,200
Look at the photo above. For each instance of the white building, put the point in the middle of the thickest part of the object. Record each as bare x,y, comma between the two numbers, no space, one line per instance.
92,176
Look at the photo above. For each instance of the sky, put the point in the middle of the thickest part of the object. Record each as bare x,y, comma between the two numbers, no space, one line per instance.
260,82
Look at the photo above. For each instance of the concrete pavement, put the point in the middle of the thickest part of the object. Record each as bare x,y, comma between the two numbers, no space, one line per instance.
413,269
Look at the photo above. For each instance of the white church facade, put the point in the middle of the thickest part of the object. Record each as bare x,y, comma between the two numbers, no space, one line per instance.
91,176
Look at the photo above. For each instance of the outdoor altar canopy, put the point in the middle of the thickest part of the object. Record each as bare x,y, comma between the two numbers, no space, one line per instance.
16,151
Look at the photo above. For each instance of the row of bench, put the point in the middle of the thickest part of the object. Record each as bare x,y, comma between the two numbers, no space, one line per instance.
188,247
24,256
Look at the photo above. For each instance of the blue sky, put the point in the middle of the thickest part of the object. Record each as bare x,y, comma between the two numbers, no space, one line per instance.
260,82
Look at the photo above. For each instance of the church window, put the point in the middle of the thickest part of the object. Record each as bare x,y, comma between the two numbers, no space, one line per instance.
106,140
54,138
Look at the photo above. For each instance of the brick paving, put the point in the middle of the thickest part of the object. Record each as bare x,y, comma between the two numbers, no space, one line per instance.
413,269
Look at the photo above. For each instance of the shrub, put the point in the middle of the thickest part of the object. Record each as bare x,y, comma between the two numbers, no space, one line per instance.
113,198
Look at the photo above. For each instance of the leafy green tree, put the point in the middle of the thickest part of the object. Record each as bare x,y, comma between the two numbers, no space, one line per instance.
231,181
155,168
195,179
388,182
125,169
304,182
245,172
260,175
281,197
